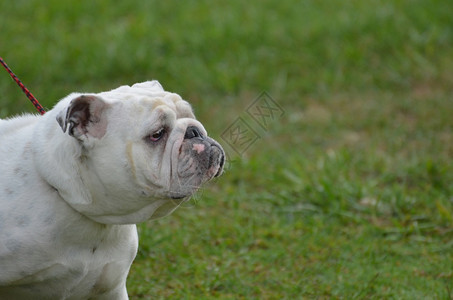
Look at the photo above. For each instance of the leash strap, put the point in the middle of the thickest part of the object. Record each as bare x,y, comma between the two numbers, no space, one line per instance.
24,89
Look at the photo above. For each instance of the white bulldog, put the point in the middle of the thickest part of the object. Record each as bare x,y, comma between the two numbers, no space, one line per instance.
75,181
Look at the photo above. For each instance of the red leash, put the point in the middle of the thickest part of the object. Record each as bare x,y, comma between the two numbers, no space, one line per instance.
24,89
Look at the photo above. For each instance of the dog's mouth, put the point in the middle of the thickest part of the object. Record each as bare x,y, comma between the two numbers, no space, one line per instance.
217,159
202,158
199,160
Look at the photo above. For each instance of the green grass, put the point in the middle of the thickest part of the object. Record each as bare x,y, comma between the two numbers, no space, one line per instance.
348,195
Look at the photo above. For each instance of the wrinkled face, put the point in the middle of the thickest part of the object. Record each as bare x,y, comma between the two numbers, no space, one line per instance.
144,155
168,152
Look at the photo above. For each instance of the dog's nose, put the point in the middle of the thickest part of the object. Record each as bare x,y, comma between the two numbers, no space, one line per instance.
193,132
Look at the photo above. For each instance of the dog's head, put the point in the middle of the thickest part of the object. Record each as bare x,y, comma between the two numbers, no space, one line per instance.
142,152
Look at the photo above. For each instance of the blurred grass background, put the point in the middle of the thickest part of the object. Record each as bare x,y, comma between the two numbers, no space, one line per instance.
348,195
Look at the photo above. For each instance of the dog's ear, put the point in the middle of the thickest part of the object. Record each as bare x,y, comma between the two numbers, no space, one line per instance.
84,116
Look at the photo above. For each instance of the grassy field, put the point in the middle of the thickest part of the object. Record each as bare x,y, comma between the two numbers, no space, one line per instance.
345,193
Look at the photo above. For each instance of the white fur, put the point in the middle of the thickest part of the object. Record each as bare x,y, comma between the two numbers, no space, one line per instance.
66,202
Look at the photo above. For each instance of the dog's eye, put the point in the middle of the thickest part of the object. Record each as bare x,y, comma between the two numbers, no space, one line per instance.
157,135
